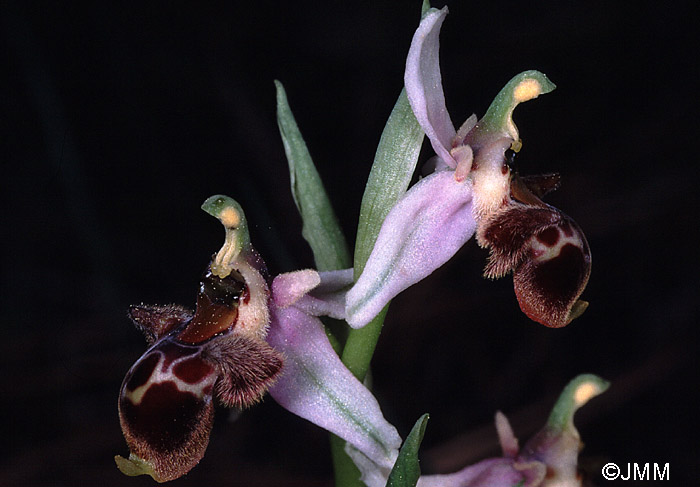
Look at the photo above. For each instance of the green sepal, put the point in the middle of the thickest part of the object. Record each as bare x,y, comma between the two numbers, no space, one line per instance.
320,224
135,466
406,471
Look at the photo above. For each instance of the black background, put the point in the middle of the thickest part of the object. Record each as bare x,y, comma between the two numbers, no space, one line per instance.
117,122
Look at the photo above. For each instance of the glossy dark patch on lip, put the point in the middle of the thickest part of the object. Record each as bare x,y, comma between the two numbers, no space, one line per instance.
217,307
560,277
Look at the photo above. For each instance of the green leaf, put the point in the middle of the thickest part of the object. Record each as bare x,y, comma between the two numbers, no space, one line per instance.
406,470
345,472
394,164
320,225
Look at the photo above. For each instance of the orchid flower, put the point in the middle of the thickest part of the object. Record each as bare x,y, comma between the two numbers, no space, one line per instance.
216,354
219,354
472,189
548,459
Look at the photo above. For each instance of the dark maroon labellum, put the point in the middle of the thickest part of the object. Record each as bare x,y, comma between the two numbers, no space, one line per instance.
549,257
166,416
166,403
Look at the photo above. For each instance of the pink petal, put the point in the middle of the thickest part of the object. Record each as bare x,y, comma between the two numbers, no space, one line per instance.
424,85
328,299
508,441
317,293
424,230
290,287
315,385
494,472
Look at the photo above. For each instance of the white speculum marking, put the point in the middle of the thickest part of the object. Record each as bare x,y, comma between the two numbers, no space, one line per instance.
542,252
159,376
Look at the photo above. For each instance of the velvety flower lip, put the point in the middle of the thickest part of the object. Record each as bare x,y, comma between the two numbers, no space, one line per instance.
215,355
314,383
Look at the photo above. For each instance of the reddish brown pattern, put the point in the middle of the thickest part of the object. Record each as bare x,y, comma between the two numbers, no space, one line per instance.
192,370
549,237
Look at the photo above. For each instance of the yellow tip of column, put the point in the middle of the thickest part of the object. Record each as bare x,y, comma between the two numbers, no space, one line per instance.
585,392
230,217
527,90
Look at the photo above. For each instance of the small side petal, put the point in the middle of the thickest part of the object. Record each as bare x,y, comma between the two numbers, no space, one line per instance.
315,385
328,299
317,293
508,441
422,232
424,85
290,287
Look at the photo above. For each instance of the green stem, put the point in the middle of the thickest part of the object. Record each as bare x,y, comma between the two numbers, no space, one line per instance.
394,164
345,472
359,348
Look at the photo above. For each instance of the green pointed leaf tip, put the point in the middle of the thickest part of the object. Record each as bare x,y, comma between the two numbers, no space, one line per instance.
320,225
523,87
394,164
391,173
576,393
406,470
